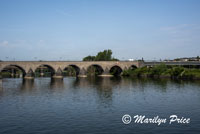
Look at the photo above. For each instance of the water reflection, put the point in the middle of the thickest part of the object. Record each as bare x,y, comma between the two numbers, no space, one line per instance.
98,82
108,83
27,84
1,87
0,82
102,84
56,84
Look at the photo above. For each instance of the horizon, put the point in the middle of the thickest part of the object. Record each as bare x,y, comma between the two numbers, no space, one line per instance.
71,30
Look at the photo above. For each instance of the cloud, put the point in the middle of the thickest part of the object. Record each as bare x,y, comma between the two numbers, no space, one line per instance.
4,43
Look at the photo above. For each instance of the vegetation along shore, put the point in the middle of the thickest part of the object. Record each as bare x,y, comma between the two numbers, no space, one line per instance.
164,71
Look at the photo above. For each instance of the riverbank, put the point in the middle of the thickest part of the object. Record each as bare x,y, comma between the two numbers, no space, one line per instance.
164,71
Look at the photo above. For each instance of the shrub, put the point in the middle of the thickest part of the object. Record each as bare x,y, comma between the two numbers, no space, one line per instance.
159,69
176,71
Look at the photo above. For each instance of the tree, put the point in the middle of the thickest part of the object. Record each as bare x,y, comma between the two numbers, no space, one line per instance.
89,58
106,55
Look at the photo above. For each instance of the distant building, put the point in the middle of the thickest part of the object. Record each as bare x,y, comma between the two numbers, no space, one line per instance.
130,59
188,59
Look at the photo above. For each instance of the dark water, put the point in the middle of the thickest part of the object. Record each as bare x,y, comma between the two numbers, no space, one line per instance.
96,105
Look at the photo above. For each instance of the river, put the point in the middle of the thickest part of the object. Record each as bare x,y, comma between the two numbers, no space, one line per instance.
96,105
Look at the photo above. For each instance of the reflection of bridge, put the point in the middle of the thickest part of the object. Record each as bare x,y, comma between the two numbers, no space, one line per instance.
28,68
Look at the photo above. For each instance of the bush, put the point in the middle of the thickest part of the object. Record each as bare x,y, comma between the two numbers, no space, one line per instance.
159,69
135,72
176,71
191,73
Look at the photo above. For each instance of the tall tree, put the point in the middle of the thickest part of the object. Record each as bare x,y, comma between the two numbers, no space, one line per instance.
106,55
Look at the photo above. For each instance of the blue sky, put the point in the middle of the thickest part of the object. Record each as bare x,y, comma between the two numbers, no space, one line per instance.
73,29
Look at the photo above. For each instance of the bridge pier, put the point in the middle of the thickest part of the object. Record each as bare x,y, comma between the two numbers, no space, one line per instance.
58,74
106,73
41,72
82,73
12,73
29,75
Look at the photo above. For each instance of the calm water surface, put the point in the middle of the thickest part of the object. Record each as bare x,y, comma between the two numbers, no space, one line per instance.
96,105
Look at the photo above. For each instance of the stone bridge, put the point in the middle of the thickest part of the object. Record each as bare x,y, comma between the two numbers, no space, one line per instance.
29,67
57,67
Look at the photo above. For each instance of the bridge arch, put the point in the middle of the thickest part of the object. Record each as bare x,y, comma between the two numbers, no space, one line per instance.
44,70
133,67
116,70
71,70
14,69
95,69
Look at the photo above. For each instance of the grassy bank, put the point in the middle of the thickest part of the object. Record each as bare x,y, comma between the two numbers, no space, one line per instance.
162,70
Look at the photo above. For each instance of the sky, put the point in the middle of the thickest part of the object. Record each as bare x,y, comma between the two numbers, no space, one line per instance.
72,29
